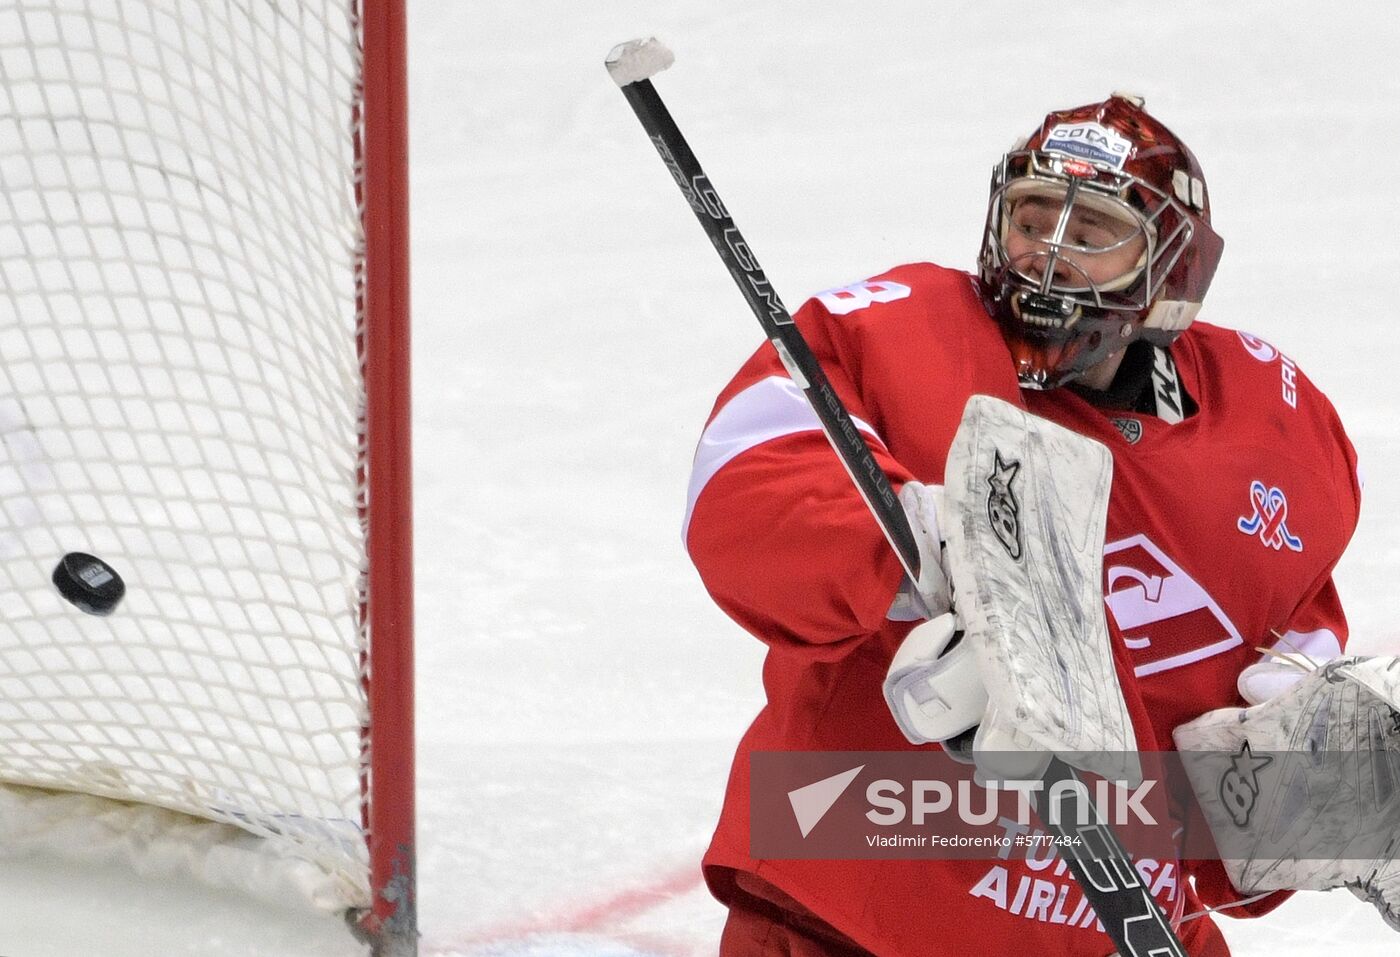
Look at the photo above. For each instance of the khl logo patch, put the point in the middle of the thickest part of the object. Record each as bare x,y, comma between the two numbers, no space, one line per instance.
1130,429
1269,518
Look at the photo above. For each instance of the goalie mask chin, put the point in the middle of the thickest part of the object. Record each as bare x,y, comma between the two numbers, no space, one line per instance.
1104,184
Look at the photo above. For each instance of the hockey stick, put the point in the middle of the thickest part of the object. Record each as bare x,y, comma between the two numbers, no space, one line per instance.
1097,860
630,65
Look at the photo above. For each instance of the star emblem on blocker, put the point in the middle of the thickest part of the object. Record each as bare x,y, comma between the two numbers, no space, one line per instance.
1247,766
1239,786
1002,508
1002,476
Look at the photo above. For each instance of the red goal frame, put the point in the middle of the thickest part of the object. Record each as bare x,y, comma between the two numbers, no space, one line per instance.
391,923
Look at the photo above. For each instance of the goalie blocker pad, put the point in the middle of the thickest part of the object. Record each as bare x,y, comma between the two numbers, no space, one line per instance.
1028,505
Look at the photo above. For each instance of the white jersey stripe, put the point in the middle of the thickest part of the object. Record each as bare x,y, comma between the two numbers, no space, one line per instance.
769,409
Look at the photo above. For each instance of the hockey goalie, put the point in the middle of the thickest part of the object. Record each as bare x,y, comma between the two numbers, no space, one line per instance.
1230,491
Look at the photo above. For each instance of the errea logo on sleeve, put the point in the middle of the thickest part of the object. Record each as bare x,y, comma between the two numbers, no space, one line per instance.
1257,347
1264,352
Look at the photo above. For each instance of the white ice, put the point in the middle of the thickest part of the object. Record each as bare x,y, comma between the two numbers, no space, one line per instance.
579,695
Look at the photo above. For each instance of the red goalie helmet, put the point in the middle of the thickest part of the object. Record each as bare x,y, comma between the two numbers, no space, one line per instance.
1098,233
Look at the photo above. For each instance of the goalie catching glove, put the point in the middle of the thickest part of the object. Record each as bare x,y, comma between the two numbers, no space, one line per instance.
1302,792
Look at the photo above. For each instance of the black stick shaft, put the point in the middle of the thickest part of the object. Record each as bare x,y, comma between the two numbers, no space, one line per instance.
1105,872
777,323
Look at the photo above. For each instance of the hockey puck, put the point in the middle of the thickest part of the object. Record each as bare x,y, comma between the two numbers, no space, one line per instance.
89,583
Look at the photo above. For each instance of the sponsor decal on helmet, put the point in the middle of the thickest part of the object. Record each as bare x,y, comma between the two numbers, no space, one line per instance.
1269,519
1130,429
1078,169
1091,142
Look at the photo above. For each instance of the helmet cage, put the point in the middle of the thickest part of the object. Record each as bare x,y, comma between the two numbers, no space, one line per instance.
1164,222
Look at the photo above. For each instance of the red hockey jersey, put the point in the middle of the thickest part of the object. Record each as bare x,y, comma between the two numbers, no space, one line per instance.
1223,531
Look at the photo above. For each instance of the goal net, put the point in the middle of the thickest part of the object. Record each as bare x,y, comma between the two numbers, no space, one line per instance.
184,342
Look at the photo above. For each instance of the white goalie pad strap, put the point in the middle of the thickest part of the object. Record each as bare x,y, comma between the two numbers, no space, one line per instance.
931,595
1002,752
933,692
1302,792
1026,503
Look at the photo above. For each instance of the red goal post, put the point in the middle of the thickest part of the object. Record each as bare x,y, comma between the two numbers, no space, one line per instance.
391,814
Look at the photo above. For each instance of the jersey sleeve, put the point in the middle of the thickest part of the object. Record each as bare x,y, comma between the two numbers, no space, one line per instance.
778,531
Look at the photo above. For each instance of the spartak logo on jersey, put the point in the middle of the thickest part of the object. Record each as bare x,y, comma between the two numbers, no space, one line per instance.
1165,616
1269,519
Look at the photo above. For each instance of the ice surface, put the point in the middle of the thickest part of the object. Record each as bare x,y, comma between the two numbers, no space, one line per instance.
579,695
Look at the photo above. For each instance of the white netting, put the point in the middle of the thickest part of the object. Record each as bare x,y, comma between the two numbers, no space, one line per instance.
180,396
